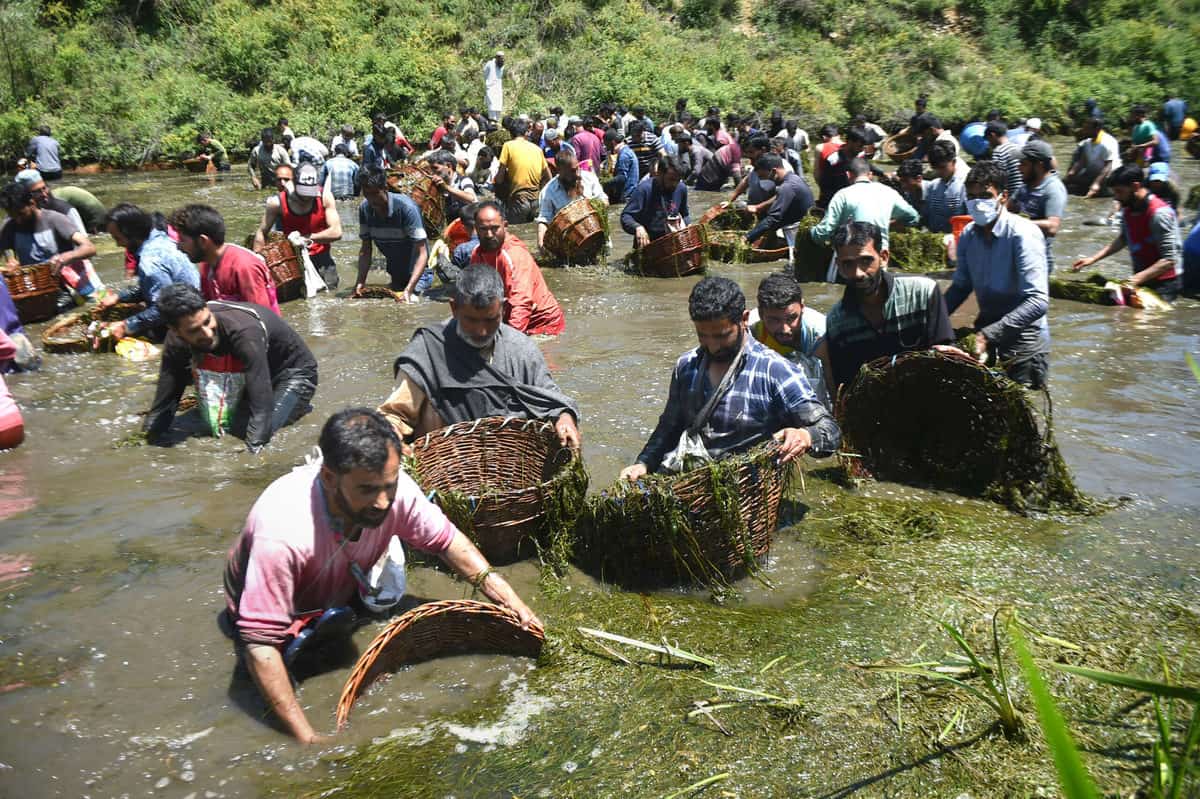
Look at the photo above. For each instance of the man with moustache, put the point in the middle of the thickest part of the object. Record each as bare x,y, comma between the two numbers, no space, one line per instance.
473,366
570,184
732,392
880,313
529,305
309,543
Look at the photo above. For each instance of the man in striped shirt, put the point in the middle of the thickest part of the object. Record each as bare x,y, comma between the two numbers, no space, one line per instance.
1006,154
755,393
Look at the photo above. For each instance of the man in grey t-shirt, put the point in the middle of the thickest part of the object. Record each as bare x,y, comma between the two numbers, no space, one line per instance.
1043,198
43,151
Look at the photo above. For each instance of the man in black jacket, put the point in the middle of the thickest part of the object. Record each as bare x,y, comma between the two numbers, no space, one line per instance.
793,199
227,339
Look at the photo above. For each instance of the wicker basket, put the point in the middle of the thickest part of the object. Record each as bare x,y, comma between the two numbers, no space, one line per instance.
674,255
438,629
576,234
730,247
670,529
727,217
376,292
495,478
69,334
34,290
285,266
198,165
951,424
417,183
900,146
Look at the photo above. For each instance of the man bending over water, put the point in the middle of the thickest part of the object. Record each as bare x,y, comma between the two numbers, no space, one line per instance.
311,535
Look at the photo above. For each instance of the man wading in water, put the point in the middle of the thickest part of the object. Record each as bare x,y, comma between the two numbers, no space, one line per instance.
313,536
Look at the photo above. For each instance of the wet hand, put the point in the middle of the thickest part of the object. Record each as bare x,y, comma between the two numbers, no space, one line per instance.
793,442
641,237
981,345
315,739
118,330
358,289
568,433
635,472
1081,263
108,300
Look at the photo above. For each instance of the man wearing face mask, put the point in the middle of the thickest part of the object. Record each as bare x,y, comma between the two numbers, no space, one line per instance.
1150,229
880,314
732,392
1002,259
473,366
570,184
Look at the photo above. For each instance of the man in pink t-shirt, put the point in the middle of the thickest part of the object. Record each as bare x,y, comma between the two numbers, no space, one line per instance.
313,529
227,272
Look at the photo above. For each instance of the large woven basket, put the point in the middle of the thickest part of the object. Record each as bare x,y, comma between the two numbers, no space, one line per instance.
198,165
730,246
498,479
727,217
417,183
953,424
576,234
34,290
438,629
900,146
374,291
285,266
69,333
677,254
709,525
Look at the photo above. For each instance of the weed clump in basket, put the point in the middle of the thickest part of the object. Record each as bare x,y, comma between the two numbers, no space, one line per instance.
956,425
917,251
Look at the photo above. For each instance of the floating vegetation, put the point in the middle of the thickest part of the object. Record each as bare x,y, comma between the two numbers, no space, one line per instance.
917,251
1095,289
907,522
706,526
956,425
664,651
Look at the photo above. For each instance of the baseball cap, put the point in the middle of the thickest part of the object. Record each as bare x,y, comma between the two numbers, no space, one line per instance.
28,177
1033,123
1159,170
1037,151
307,182
551,134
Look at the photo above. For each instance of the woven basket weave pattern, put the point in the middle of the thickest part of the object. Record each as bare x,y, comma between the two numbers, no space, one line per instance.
69,334
33,279
438,629
676,254
575,231
283,262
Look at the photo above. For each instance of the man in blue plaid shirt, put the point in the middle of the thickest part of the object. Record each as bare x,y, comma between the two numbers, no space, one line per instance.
764,396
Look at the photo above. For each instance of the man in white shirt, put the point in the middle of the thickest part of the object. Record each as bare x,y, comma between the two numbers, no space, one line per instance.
1096,156
346,137
493,77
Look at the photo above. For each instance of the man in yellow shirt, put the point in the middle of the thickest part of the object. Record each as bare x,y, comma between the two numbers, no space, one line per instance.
523,171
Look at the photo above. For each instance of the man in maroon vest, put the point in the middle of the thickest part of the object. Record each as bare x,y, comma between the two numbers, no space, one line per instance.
1150,229
304,206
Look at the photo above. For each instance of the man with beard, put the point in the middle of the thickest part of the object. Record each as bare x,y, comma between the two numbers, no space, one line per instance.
1150,229
473,366
570,185
523,171
880,313
659,204
785,324
792,201
1002,259
312,538
732,393
232,338
1043,198
227,271
529,307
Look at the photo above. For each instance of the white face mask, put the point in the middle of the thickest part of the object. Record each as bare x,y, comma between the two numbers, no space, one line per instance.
984,211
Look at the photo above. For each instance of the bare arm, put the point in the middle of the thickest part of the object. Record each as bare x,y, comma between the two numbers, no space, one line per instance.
1116,245
417,270
83,249
467,560
364,265
333,231
265,664
270,217
737,190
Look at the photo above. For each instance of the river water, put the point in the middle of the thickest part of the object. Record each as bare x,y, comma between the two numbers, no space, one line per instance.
114,679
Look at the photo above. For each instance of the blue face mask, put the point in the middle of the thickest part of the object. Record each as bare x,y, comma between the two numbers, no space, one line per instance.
984,210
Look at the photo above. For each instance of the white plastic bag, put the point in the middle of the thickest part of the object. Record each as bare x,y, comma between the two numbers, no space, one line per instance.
313,282
387,578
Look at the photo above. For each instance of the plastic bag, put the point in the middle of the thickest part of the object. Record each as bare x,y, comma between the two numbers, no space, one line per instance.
220,383
387,579
689,453
313,282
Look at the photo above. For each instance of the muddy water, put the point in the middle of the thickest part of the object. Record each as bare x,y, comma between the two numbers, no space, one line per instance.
114,680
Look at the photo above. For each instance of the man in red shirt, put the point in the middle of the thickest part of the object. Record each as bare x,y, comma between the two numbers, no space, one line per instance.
528,304
307,208
227,271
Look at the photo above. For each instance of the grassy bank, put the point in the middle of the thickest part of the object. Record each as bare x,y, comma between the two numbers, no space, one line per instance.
123,81
821,724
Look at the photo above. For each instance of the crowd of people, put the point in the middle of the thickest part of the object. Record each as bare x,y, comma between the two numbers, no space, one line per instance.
315,537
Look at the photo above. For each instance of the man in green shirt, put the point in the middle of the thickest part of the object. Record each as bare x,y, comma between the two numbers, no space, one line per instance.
213,150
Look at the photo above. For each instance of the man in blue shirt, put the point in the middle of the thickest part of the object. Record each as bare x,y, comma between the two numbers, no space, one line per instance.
393,223
43,151
1174,111
733,393
342,174
1002,259
658,205
159,264
625,171
1043,198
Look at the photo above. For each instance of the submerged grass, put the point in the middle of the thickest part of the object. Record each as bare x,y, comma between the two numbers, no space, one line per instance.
613,728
